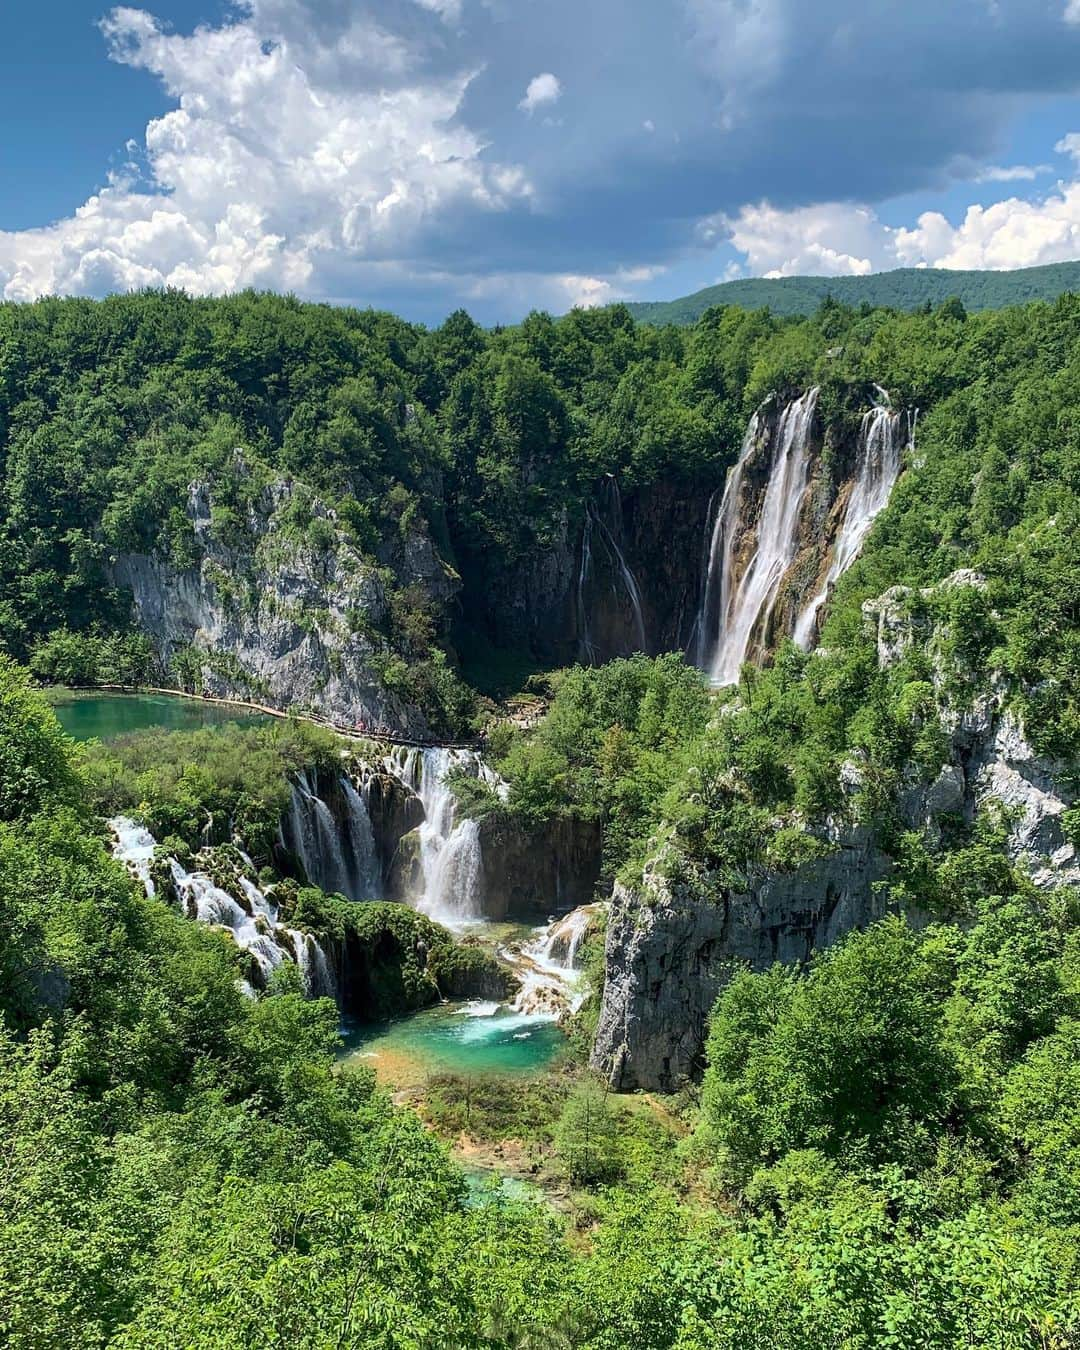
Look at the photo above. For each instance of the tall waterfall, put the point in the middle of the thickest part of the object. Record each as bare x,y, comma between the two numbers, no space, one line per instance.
876,470
596,535
736,608
365,865
451,861
251,921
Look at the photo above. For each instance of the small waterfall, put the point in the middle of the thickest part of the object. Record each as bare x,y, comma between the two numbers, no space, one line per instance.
251,922
547,966
735,610
609,538
876,470
135,847
366,869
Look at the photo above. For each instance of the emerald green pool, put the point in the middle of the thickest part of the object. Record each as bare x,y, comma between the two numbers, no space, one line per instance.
455,1038
97,716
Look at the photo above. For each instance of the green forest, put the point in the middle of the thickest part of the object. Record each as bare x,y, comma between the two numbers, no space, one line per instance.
883,1146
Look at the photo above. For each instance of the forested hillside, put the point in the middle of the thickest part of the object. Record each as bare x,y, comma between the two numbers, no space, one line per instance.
903,288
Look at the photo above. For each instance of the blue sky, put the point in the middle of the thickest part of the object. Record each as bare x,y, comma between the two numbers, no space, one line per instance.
505,154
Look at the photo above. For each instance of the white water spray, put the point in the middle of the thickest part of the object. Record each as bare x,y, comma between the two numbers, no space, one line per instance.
876,470
252,923
728,629
451,860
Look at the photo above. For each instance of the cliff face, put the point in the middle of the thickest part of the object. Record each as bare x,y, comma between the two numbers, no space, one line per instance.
537,875
623,578
671,943
284,616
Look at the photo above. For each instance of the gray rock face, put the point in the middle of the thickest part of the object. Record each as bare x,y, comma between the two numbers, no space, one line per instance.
281,618
671,947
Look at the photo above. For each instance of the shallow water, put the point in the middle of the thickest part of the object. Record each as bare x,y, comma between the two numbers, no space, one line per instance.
97,716
475,1037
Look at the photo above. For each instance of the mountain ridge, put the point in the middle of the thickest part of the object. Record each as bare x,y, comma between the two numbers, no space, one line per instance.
904,288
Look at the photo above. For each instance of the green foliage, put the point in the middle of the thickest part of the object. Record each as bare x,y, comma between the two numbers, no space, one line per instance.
35,766
209,783
588,1138
78,659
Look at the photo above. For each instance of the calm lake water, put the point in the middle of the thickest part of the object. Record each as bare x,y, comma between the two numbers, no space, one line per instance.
96,716
472,1037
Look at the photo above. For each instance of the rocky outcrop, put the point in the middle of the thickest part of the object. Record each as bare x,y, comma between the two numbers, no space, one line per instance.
991,764
672,944
284,612
533,874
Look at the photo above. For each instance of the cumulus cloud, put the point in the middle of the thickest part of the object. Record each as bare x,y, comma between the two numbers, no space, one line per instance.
542,89
835,239
827,240
271,163
1011,173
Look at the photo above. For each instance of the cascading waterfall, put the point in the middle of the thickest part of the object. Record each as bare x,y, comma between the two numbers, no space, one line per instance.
547,967
451,860
253,924
336,857
736,609
610,539
876,470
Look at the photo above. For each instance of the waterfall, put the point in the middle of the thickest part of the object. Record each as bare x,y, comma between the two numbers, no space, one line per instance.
876,470
610,538
135,847
546,967
728,625
450,856
252,921
366,869
336,857
716,601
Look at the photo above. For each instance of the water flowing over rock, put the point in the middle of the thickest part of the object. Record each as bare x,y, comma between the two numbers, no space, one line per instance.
250,918
877,467
604,621
450,885
742,585
792,518
336,849
546,968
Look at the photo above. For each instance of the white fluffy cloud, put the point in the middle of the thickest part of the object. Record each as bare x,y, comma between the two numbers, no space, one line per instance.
542,89
841,239
828,240
286,155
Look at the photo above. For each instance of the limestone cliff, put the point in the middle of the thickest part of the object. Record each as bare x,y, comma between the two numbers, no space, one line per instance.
290,616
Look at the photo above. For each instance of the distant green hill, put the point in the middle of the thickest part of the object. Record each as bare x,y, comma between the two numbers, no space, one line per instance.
905,288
